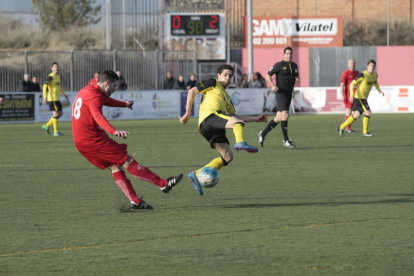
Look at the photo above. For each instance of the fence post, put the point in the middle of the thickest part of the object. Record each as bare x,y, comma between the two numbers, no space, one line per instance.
115,59
72,70
26,63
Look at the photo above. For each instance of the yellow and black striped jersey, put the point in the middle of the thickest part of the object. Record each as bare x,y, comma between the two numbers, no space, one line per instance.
53,85
215,98
365,81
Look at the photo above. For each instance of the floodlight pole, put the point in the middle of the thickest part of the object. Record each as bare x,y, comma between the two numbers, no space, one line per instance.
250,36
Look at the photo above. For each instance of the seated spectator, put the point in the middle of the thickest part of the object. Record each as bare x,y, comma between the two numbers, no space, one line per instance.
26,84
191,82
95,78
243,82
258,81
180,83
122,85
169,81
35,85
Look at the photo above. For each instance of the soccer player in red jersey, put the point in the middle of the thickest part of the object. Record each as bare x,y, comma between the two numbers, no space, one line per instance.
95,79
89,126
347,77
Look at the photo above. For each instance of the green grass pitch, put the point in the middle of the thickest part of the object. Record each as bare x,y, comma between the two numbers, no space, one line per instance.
331,206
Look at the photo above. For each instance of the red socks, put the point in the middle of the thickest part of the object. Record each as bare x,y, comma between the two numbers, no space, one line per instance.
143,173
125,184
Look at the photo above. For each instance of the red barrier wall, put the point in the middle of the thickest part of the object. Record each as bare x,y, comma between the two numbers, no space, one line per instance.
395,65
263,59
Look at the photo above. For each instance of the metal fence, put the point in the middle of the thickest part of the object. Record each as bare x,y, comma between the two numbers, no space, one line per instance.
142,70
327,64
134,24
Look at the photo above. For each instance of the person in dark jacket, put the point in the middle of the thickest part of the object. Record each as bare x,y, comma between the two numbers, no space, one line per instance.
191,82
121,85
180,83
35,85
286,75
26,84
169,81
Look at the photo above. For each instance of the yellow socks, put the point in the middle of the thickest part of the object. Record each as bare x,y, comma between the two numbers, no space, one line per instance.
55,124
48,124
365,124
215,163
238,130
349,121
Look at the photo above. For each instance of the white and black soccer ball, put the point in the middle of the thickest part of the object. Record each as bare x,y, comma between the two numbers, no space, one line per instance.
208,177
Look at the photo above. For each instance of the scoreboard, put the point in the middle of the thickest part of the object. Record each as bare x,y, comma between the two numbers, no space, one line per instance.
204,33
182,25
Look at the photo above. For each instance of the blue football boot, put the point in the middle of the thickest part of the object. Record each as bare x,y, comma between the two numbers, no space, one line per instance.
193,178
244,146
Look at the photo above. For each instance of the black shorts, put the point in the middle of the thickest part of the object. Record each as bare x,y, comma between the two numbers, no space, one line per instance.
55,106
360,105
213,128
283,100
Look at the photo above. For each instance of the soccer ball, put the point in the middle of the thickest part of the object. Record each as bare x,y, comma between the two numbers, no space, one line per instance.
208,177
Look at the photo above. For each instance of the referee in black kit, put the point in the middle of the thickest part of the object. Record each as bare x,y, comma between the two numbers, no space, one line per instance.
286,75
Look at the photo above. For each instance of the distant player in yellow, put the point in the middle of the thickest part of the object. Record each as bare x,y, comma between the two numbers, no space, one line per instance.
217,113
364,81
53,100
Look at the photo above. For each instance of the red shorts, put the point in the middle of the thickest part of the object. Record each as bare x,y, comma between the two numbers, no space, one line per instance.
105,153
347,103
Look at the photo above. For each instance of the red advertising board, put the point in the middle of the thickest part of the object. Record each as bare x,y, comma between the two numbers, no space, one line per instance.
310,31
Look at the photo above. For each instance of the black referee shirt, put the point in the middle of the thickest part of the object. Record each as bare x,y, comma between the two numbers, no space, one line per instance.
285,74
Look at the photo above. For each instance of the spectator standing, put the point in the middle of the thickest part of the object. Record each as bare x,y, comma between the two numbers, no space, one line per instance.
121,85
243,82
191,82
180,83
169,81
26,84
35,85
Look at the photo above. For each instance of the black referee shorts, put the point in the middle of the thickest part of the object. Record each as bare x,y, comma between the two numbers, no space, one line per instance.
213,128
283,100
360,105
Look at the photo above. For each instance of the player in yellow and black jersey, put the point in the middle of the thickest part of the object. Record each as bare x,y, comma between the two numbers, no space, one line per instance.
217,113
53,100
364,81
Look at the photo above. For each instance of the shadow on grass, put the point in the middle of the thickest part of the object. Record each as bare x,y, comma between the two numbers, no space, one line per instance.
271,205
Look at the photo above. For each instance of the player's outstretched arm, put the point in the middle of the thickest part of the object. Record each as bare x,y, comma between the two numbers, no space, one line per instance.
190,99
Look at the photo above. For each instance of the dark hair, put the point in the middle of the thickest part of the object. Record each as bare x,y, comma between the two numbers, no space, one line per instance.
371,61
223,67
259,76
107,75
287,48
53,63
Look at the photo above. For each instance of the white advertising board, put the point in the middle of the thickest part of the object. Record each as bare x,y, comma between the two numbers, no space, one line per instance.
164,104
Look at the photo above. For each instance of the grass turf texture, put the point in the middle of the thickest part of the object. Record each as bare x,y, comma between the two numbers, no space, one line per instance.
332,206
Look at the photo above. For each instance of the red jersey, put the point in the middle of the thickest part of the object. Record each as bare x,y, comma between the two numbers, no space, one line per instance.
347,77
88,122
93,81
